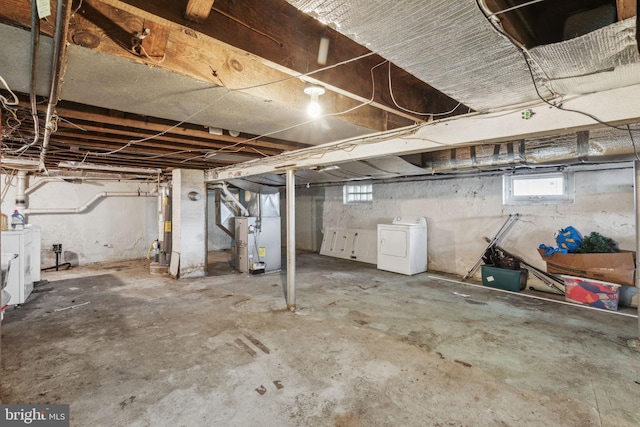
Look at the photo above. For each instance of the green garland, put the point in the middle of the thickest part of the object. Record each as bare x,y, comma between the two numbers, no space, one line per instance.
597,243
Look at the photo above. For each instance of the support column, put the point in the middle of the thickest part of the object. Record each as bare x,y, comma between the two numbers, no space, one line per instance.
636,189
189,224
291,240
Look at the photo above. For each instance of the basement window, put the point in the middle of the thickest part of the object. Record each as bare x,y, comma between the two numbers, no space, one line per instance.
357,193
548,188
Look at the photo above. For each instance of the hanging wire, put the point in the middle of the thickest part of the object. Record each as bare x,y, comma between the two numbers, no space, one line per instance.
527,59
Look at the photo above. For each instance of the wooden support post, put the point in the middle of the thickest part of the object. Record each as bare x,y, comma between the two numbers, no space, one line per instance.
198,10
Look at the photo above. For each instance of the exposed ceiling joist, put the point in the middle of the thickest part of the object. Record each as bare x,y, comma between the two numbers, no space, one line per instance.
290,40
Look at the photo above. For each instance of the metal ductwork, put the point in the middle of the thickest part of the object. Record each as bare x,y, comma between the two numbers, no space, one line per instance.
587,147
600,146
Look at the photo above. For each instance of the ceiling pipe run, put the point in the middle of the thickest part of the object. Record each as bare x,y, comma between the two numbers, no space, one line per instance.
63,13
88,204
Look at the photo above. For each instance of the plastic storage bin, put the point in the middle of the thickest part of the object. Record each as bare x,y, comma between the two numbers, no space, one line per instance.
502,278
591,292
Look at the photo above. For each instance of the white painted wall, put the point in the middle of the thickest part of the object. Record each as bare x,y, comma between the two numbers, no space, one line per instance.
117,228
460,211
189,222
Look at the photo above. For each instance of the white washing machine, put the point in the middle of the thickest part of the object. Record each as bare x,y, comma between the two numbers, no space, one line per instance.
402,245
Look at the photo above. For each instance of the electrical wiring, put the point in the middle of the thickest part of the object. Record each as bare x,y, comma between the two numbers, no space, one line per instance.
368,102
71,123
633,142
8,182
317,153
527,58
297,76
229,90
515,7
244,24
4,100
415,112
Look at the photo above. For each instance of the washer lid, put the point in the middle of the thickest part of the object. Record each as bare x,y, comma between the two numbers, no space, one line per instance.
410,220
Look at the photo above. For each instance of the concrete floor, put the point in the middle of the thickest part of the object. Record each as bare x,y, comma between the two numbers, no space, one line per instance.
365,348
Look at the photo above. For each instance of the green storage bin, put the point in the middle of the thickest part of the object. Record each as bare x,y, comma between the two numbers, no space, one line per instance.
502,278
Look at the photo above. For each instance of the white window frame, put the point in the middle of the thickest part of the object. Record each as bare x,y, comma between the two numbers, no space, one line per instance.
567,196
353,194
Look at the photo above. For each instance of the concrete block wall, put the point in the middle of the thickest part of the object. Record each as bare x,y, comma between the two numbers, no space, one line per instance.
460,211
113,229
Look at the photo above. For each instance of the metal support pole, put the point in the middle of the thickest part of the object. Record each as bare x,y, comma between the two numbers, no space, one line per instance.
291,240
636,188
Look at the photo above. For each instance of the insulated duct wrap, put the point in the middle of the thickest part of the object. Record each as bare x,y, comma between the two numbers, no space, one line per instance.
603,59
593,147
450,45
603,145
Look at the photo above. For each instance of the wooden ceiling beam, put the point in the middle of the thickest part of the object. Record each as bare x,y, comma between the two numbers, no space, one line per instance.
179,131
136,162
78,150
77,113
626,9
108,144
290,39
97,132
205,58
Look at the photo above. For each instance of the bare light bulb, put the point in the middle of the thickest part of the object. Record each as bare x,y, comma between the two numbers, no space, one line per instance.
314,91
314,109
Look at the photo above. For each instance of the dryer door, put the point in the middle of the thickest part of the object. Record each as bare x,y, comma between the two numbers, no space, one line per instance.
394,242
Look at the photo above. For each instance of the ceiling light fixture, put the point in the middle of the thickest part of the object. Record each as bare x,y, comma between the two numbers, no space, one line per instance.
323,50
314,91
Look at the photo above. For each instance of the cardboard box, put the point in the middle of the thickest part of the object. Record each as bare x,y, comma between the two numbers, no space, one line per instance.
502,278
616,268
591,292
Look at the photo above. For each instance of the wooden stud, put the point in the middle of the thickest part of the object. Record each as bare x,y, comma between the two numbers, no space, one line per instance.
198,10
626,9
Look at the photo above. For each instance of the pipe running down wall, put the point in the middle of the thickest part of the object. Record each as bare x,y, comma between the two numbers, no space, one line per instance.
63,14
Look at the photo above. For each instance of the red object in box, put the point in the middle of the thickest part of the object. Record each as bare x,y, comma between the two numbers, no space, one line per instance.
591,292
